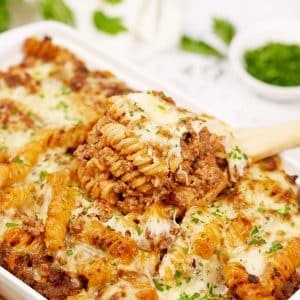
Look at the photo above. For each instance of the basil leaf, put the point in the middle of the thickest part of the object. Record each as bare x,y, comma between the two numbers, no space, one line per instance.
198,46
107,24
224,29
57,10
4,16
114,1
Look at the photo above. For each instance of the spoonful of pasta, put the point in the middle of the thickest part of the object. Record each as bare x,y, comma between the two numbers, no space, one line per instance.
146,149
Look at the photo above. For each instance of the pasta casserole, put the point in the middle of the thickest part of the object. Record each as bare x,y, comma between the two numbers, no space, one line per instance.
111,193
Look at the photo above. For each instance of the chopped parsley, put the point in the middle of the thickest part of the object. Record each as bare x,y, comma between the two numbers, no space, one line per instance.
11,224
236,153
195,220
62,106
195,296
185,250
18,160
256,239
65,90
178,274
138,229
161,107
275,247
69,252
254,230
217,212
5,126
283,212
43,174
160,286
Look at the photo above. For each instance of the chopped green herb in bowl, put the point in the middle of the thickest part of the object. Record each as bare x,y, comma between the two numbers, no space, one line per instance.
275,63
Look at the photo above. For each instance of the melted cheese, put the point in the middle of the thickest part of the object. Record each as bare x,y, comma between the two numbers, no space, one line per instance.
14,141
53,103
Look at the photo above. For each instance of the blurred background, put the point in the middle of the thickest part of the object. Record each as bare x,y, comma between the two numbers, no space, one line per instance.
150,33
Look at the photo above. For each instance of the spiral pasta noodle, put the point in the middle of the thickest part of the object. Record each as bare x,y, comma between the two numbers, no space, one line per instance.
59,212
98,272
110,241
282,264
20,241
18,197
208,240
237,279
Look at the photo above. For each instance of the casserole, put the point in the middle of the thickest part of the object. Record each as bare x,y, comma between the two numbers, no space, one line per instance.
66,37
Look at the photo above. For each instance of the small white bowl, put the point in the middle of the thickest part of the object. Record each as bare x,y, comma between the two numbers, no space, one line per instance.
258,35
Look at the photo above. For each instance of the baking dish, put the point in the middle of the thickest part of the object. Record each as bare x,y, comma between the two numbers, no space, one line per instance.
95,57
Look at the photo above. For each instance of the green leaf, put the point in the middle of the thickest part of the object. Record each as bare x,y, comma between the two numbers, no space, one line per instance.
275,247
254,230
43,174
113,1
4,16
107,24
57,10
69,252
18,160
198,46
11,224
224,29
283,212
195,296
138,229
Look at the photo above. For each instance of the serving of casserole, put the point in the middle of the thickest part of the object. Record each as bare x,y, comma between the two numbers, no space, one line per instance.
109,192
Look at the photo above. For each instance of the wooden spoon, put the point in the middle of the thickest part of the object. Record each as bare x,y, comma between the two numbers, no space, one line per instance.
263,142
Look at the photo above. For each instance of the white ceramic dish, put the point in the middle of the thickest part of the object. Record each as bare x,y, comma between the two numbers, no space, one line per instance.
96,57
255,36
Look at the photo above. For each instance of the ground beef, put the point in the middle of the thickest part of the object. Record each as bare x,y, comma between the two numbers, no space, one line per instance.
54,283
200,178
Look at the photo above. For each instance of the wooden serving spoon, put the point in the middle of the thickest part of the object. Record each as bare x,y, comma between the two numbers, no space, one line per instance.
263,142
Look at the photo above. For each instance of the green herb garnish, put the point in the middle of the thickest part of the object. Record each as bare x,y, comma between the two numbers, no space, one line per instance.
57,10
11,224
61,105
19,161
107,24
160,286
4,16
236,153
283,212
138,229
43,174
275,63
254,230
275,247
257,240
69,252
113,1
195,296
161,107
199,46
224,30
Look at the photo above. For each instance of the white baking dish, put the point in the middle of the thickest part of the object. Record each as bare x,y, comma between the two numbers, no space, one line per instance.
95,57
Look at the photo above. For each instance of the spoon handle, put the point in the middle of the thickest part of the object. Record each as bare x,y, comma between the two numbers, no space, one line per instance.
260,143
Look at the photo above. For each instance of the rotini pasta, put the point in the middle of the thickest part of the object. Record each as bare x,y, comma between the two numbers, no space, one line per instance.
110,194
245,286
59,212
110,241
